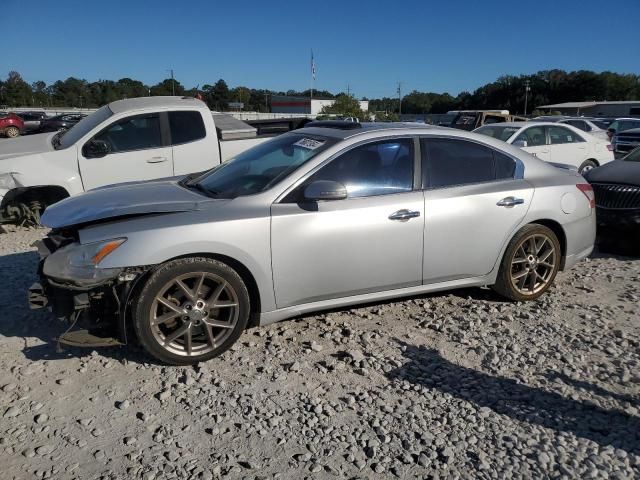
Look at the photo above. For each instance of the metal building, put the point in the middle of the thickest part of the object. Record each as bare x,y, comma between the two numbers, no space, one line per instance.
287,104
596,109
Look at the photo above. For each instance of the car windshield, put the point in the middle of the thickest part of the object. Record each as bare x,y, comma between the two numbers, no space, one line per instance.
633,156
500,132
260,167
81,128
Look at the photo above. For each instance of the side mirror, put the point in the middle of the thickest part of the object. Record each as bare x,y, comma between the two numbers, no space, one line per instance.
96,149
520,143
325,190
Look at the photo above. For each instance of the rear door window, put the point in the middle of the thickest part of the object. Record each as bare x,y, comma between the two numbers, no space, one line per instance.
534,136
450,162
186,127
561,135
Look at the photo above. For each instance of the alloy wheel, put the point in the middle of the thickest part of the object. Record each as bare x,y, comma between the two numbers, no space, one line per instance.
533,264
194,313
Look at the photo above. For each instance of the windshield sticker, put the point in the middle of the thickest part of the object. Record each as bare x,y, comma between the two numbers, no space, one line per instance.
309,143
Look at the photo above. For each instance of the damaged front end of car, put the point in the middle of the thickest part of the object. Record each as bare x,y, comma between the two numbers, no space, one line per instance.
73,285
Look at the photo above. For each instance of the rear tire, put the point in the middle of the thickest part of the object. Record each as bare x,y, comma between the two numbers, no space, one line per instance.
530,264
191,310
586,166
12,132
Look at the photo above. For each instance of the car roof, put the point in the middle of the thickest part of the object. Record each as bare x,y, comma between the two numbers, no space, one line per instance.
348,131
120,106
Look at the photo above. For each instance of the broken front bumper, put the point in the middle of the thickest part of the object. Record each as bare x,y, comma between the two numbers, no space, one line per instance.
96,308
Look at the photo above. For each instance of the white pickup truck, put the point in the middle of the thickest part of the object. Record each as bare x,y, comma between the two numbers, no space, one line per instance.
127,140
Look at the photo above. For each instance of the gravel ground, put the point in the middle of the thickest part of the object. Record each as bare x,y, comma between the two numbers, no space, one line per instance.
454,385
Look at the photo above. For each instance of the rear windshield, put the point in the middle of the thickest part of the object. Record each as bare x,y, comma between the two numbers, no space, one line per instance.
496,131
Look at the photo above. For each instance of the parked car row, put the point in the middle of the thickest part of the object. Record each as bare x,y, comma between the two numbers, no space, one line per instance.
15,124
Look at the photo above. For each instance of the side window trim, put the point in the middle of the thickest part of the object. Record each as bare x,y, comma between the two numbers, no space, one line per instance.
518,173
301,182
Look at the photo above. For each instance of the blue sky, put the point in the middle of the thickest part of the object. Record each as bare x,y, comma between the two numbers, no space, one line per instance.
429,46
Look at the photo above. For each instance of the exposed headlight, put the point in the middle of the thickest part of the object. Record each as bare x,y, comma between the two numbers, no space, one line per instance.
7,181
81,263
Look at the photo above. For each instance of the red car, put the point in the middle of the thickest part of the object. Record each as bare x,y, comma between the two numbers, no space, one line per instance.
11,125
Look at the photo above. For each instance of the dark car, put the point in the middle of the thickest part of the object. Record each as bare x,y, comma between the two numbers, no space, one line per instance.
11,125
32,120
61,122
617,190
621,124
626,140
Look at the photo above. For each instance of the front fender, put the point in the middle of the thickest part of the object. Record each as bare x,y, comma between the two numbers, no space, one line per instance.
156,239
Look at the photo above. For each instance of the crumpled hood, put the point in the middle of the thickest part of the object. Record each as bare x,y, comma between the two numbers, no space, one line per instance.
25,145
618,171
128,199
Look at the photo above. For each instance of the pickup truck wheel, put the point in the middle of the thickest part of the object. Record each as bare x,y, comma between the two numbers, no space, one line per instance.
191,310
530,264
12,132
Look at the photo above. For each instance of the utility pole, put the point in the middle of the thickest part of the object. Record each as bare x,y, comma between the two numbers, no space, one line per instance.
399,98
266,102
173,83
348,90
527,89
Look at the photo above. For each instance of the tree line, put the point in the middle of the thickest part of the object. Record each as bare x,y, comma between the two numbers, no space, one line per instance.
507,92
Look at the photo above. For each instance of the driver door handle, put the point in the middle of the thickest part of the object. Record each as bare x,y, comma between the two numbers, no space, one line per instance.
510,202
404,215
157,160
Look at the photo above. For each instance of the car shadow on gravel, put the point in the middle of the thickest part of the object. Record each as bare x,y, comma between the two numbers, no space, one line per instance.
520,402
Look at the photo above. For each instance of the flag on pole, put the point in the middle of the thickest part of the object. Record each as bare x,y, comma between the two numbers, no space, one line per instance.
313,66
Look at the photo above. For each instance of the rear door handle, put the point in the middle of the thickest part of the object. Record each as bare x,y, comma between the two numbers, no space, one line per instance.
404,215
157,160
510,202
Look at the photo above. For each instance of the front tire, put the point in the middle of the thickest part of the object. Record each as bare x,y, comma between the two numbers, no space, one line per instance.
530,264
191,310
12,132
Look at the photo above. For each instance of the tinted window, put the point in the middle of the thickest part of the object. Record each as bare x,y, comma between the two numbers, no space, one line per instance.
494,119
560,135
133,133
579,124
505,167
499,132
534,137
186,127
449,162
373,169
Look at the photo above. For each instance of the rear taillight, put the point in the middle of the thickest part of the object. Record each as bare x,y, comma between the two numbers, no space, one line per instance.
609,147
588,192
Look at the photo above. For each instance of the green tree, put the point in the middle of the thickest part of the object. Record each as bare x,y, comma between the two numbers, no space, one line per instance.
346,106
167,87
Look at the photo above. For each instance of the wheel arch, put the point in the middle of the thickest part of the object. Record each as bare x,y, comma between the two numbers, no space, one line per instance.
248,278
45,194
559,232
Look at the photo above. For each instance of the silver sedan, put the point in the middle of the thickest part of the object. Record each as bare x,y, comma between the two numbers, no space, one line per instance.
331,215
